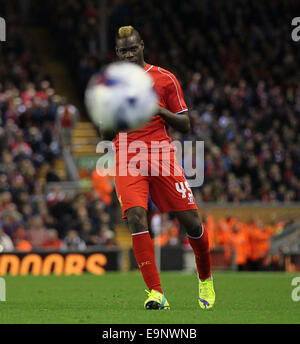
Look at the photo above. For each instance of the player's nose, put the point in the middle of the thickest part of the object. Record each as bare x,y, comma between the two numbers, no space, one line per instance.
129,55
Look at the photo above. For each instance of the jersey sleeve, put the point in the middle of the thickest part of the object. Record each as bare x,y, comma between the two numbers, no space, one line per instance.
174,95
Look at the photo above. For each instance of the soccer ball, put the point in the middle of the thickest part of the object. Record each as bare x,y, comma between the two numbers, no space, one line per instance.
121,97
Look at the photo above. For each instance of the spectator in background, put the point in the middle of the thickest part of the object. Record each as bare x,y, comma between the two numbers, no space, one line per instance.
67,117
20,239
19,147
27,211
50,173
23,246
106,237
11,218
209,223
169,235
240,245
37,232
88,234
72,241
3,183
6,244
259,240
224,234
52,242
105,219
103,185
55,195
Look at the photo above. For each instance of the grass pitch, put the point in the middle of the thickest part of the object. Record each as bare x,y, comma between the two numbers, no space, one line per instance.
116,298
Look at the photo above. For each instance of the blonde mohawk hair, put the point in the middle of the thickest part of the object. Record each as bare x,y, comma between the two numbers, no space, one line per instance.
125,31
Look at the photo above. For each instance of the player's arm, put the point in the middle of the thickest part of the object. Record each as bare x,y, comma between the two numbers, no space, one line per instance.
179,122
176,111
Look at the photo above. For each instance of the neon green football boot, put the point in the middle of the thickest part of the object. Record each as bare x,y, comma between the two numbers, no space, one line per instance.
156,300
207,294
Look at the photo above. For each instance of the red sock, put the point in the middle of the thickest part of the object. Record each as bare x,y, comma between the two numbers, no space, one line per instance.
200,247
143,249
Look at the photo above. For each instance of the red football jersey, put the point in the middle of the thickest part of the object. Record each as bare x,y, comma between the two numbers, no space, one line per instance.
170,97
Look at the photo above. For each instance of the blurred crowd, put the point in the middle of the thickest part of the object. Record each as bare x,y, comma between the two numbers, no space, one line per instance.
239,71
238,68
34,129
245,244
52,220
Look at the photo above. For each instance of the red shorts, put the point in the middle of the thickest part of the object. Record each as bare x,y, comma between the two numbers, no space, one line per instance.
165,182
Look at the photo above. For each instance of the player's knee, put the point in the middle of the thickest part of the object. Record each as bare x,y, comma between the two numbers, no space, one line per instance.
137,219
195,229
191,222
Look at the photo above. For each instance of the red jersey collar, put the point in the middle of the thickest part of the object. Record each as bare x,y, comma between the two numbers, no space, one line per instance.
147,67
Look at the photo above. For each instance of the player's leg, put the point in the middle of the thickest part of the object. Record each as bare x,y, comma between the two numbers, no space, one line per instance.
198,238
173,193
133,194
143,249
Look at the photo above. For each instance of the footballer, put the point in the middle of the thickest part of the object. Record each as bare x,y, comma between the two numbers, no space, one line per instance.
170,193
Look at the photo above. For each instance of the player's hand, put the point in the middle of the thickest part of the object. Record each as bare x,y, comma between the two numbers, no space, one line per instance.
159,112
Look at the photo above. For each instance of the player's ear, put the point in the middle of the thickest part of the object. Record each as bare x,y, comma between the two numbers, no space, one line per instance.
142,44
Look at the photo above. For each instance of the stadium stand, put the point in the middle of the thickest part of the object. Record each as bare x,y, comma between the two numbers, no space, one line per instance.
240,80
247,115
33,133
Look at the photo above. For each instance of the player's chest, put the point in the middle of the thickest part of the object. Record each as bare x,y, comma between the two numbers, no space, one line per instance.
161,91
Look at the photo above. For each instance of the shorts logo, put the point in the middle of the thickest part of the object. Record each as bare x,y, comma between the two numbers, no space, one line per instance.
184,188
191,200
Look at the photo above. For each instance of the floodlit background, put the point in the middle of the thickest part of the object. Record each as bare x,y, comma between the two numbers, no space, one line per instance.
239,70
